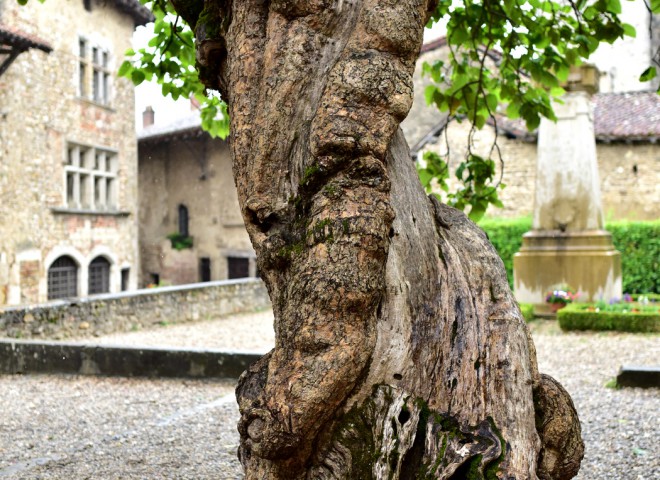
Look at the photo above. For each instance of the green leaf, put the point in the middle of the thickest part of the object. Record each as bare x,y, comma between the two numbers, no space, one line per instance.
648,75
655,6
629,30
137,76
425,177
513,110
477,212
557,91
124,68
614,6
492,102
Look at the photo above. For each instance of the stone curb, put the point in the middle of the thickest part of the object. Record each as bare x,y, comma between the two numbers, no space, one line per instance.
640,377
88,359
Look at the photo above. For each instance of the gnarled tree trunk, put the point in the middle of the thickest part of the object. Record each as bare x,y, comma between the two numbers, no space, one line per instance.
400,351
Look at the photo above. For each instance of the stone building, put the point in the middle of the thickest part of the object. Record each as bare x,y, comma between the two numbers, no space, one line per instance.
68,150
627,128
191,228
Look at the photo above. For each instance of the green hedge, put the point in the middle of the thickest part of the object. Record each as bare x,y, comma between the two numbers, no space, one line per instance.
638,242
506,236
576,317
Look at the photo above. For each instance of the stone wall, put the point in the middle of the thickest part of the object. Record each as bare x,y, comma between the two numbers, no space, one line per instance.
131,311
629,180
42,112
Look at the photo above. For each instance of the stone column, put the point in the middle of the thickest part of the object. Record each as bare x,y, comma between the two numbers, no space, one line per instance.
567,243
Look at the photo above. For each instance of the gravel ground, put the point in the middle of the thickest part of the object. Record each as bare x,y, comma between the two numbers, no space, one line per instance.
70,427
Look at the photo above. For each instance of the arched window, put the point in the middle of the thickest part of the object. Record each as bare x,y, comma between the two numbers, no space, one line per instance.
63,278
99,276
183,221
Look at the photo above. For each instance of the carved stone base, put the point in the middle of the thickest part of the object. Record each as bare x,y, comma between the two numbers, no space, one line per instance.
586,261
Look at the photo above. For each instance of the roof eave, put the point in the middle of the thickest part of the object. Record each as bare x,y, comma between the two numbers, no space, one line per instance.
140,14
23,41
193,132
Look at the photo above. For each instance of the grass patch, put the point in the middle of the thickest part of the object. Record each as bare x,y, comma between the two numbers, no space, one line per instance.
612,383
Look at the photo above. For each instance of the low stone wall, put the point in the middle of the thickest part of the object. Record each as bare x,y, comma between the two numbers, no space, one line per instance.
129,311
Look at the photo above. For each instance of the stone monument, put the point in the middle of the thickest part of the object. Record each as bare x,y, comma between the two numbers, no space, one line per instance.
568,244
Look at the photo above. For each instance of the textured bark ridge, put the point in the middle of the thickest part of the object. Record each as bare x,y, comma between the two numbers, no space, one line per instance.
400,351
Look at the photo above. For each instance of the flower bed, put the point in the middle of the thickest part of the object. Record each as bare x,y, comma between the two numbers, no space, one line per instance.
622,317
561,296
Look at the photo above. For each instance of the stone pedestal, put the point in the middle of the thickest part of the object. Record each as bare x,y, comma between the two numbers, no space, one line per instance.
568,244
587,261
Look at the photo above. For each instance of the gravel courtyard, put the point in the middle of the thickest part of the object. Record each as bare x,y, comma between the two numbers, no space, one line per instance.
72,427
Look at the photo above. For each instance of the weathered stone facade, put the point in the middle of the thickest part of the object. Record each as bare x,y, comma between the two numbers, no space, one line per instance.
181,166
68,151
129,311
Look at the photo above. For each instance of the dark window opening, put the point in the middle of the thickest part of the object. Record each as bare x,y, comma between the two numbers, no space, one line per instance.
125,276
205,269
155,278
183,221
63,278
88,5
99,276
238,267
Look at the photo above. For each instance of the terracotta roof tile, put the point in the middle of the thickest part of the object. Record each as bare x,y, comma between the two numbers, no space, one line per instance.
617,116
634,115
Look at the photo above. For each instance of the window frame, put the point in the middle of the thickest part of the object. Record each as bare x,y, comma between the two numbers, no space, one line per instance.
183,220
91,178
235,264
205,273
71,284
98,275
94,72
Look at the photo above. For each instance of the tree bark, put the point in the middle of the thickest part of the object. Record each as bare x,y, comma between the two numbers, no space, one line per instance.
400,350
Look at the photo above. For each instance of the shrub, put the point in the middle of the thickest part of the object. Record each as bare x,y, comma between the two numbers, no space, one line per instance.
638,242
527,310
582,316
180,242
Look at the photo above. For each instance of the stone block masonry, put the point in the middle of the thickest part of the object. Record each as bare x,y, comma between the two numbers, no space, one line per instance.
129,311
